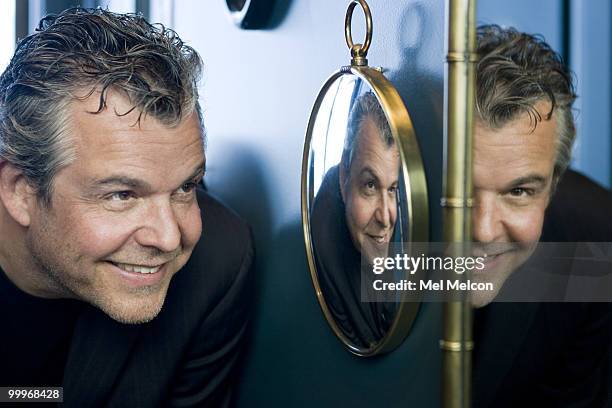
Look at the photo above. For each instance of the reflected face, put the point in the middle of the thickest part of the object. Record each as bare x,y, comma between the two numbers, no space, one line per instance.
513,173
369,192
124,216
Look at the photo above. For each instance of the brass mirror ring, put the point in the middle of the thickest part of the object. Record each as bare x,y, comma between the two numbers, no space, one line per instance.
358,50
415,194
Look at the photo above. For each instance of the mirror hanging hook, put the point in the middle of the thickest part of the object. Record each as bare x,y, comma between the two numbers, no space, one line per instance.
358,51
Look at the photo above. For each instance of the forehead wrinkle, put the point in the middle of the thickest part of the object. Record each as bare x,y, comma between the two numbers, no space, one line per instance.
498,169
123,141
139,164
375,162
376,149
510,145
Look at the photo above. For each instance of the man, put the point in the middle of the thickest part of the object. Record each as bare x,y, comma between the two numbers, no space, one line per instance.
368,178
522,143
353,220
120,281
528,354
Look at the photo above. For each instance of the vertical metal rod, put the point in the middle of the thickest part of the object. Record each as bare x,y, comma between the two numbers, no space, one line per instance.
457,340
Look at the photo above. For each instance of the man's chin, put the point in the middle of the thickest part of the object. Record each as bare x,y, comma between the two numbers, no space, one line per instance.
371,251
481,298
131,308
496,272
127,303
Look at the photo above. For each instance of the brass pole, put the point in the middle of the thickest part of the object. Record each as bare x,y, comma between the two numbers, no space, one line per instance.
457,340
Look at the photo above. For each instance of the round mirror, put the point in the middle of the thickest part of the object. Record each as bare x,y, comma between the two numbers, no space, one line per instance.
364,199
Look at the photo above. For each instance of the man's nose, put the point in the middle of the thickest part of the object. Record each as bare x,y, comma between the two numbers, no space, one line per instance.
384,211
160,227
486,219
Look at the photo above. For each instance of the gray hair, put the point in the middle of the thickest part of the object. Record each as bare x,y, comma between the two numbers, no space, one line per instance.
514,73
68,58
365,107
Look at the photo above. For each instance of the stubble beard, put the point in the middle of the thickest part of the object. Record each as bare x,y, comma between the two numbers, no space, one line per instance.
521,255
137,305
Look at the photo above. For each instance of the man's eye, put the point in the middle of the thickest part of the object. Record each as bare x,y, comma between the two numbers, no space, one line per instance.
370,185
521,192
187,187
120,196
392,190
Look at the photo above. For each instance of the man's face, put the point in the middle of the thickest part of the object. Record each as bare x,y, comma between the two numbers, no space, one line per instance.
369,192
124,216
513,172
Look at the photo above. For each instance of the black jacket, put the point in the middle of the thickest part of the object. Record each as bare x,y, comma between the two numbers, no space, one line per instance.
339,269
550,354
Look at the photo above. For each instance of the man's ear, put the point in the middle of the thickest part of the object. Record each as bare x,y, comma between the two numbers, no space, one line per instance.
16,194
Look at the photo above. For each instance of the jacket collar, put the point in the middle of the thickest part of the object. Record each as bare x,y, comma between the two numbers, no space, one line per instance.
500,332
98,353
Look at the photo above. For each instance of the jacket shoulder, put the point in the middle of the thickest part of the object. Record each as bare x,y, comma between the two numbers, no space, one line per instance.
219,219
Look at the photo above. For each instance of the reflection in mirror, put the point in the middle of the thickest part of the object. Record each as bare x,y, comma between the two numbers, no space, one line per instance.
355,214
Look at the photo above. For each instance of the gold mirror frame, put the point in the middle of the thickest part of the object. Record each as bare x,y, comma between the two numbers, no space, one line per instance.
415,194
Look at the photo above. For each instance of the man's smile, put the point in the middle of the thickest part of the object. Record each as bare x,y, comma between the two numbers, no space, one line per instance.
379,239
139,268
140,276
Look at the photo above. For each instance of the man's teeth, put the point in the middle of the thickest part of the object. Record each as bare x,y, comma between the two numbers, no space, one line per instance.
138,268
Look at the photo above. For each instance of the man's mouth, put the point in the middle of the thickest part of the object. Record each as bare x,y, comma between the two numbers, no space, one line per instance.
379,239
492,260
488,258
493,251
145,269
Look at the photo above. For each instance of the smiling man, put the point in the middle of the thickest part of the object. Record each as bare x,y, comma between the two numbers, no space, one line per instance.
523,138
137,281
353,219
124,206
532,354
368,178
514,175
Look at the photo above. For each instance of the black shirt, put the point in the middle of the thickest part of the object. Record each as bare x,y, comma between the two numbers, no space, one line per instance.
36,335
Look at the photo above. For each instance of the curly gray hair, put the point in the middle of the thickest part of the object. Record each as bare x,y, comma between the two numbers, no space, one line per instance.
365,107
514,73
71,56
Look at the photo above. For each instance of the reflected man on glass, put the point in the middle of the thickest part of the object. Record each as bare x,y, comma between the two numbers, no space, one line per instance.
354,220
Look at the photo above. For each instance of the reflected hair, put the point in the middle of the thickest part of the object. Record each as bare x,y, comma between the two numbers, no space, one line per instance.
366,107
515,71
74,54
